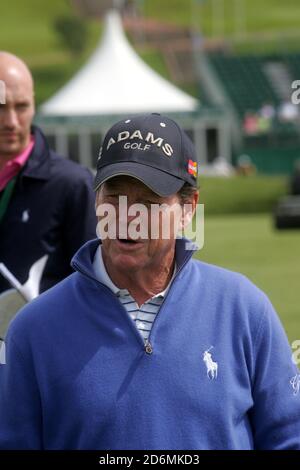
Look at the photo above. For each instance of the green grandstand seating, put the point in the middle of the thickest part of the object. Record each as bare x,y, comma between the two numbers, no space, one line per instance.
244,81
248,87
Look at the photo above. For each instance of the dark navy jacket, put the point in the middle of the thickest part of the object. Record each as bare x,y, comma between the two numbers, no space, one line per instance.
51,212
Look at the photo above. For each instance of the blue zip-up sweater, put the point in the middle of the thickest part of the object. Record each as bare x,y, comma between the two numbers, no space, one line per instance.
78,375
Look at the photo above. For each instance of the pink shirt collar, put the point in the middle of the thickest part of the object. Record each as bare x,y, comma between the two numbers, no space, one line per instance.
12,167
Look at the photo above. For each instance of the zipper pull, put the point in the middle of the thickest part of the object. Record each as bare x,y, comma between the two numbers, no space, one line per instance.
148,347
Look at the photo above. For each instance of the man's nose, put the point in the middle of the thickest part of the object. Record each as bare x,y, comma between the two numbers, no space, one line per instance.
10,118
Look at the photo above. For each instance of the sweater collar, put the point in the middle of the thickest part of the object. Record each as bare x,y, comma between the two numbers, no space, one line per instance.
103,276
83,259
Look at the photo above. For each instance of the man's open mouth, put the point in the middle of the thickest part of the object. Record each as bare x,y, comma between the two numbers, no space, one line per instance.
128,241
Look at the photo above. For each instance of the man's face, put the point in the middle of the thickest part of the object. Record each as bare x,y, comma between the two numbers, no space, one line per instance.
122,253
16,116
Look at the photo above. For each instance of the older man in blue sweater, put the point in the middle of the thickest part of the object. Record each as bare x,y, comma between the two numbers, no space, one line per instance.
144,347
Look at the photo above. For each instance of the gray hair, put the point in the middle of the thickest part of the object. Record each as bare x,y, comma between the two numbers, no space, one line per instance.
186,193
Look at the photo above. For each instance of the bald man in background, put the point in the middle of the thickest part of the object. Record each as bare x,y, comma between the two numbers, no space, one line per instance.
46,201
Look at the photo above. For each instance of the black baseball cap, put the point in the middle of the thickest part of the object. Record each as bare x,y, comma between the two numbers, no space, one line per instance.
152,148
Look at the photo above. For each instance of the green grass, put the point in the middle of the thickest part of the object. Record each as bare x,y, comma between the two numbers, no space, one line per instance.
240,195
270,258
50,78
269,26
269,15
155,60
26,29
26,26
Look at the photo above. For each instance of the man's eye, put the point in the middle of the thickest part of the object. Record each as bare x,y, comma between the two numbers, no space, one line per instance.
22,106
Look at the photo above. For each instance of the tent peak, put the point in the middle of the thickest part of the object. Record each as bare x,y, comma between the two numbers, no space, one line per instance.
115,80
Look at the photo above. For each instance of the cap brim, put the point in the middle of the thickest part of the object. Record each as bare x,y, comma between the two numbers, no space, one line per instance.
158,181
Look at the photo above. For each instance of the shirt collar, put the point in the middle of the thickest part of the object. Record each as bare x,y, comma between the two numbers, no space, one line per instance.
103,277
21,159
101,273
13,166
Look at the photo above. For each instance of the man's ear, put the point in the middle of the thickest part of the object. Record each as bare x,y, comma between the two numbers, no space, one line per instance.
188,210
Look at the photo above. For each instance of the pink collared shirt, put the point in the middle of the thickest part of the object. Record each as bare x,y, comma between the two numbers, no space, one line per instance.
12,167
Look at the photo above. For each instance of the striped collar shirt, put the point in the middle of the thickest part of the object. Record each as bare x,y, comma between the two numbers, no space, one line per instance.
143,316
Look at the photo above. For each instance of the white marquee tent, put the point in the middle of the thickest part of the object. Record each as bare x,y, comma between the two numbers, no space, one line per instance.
116,81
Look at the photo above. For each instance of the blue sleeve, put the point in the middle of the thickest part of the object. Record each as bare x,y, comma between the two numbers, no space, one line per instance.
20,407
276,413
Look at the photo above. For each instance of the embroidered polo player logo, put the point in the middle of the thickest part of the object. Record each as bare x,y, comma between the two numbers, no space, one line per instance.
25,216
211,365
